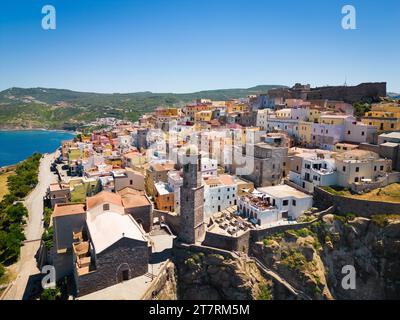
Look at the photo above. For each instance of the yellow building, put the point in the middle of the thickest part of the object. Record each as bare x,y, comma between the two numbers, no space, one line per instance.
333,119
202,116
305,132
116,162
232,107
107,150
168,112
85,138
133,159
313,115
386,117
81,188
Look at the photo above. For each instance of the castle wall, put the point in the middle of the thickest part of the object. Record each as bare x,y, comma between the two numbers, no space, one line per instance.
345,205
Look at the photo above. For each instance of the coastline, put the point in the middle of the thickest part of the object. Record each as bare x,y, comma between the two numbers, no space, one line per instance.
11,166
38,129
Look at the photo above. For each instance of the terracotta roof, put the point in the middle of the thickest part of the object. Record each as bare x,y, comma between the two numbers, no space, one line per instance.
132,154
103,197
226,179
66,209
165,166
130,191
58,186
133,201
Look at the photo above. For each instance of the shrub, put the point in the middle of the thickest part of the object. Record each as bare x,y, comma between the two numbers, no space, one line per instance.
51,294
265,293
295,260
267,242
47,216
2,270
382,220
47,237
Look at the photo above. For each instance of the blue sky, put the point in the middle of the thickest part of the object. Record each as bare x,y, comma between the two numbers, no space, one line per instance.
191,45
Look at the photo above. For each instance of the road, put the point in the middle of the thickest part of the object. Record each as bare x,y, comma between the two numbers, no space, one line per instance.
26,266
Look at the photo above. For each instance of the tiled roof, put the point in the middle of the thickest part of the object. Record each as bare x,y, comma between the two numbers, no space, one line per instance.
68,209
103,197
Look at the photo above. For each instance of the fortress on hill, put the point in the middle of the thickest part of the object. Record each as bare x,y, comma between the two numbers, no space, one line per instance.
365,92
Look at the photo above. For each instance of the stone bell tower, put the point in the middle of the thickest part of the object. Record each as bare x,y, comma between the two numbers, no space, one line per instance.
192,225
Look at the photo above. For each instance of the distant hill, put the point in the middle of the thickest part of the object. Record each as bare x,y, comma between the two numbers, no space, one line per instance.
67,109
394,95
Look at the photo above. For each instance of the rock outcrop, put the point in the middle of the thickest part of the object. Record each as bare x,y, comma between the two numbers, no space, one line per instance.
372,247
213,277
317,259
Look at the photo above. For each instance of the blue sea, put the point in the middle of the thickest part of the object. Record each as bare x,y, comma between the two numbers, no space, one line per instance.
18,145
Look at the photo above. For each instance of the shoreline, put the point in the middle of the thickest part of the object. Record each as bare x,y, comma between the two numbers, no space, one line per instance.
9,167
38,129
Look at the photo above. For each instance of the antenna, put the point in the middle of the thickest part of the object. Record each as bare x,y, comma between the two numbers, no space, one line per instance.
345,80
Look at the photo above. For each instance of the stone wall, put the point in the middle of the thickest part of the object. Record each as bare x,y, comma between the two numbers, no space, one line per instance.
170,218
260,234
164,286
365,92
126,254
240,243
344,205
143,215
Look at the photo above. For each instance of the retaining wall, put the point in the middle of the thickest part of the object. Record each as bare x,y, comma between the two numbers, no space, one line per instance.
344,205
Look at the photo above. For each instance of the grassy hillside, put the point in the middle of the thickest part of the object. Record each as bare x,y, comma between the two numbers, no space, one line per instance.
66,109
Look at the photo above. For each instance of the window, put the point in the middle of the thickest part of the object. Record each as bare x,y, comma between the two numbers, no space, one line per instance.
374,168
357,169
392,125
362,133
293,202
285,202
106,206
381,168
344,169
356,179
131,182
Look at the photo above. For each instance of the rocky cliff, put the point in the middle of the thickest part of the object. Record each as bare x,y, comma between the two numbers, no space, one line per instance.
213,277
312,259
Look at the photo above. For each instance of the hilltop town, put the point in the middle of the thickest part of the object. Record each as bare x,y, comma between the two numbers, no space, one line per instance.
236,199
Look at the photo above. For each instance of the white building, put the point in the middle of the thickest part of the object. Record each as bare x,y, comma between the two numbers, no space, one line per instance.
272,204
360,166
312,167
220,192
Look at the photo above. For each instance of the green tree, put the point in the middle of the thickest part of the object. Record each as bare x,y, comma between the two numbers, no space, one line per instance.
51,294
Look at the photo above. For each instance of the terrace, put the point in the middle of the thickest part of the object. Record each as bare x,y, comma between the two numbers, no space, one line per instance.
82,257
229,223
